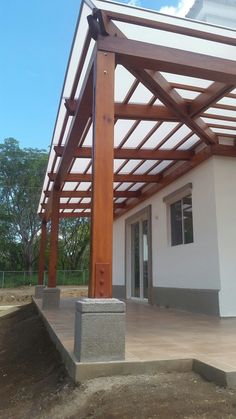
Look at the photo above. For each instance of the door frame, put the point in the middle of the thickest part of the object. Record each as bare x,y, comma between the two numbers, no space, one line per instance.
145,213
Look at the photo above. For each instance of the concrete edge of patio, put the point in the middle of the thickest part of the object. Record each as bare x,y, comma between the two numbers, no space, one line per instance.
217,375
82,371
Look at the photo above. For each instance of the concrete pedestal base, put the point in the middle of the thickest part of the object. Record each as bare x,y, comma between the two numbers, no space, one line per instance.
99,330
38,293
51,298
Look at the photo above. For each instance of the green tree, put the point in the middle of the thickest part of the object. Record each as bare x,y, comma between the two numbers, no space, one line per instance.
74,244
21,176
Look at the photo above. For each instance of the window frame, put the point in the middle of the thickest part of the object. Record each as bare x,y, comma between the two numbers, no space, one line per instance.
172,198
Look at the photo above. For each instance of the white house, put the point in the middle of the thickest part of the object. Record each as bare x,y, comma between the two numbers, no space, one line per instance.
174,178
200,275
217,12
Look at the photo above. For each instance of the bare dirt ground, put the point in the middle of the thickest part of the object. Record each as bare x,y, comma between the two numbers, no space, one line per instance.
35,385
23,295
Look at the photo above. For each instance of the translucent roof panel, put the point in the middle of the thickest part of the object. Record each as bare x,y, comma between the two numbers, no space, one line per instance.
69,186
144,167
139,134
141,95
222,112
177,41
84,186
159,135
118,164
80,165
163,165
210,121
130,166
189,143
154,15
187,94
186,80
124,186
176,138
121,129
121,89
138,94
137,186
225,131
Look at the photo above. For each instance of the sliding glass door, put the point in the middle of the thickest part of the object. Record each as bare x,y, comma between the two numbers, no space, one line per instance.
139,259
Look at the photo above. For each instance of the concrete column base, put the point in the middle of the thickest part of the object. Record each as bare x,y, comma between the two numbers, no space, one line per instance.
51,298
99,330
38,293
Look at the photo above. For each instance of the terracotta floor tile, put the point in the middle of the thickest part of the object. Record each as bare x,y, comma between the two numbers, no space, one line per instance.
157,333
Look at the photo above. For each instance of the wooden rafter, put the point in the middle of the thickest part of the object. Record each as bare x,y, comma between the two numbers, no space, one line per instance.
168,27
88,194
74,206
81,177
206,99
137,57
158,85
132,153
132,111
158,58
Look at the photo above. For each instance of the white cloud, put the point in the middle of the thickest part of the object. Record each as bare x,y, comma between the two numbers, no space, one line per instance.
181,9
134,3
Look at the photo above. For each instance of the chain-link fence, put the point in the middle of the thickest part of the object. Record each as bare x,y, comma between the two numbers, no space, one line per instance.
14,279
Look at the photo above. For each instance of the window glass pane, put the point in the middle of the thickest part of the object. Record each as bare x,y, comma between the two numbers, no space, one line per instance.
188,219
136,261
176,223
145,259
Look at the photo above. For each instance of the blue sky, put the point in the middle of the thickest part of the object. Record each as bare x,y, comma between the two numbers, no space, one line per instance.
35,41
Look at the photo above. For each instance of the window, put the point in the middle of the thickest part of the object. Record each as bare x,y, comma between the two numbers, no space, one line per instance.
181,221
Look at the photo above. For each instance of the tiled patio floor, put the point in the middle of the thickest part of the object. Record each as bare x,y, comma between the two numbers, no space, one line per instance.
154,333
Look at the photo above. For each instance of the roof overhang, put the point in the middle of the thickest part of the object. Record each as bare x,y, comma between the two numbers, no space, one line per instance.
175,104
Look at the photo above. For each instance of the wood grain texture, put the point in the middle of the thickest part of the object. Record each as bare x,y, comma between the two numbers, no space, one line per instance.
102,169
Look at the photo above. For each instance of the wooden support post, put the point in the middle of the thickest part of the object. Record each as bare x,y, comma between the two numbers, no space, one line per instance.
100,284
43,242
52,269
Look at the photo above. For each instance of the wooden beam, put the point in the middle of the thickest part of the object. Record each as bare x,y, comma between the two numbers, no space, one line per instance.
88,194
144,112
75,205
159,58
52,268
78,126
159,86
206,99
80,177
132,153
203,155
132,111
224,150
42,251
219,117
170,27
100,283
83,112
71,105
200,157
221,126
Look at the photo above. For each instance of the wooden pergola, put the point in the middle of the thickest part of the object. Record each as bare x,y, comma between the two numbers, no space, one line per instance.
133,117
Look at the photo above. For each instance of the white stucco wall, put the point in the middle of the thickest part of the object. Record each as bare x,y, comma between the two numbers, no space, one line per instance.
217,12
225,190
194,265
